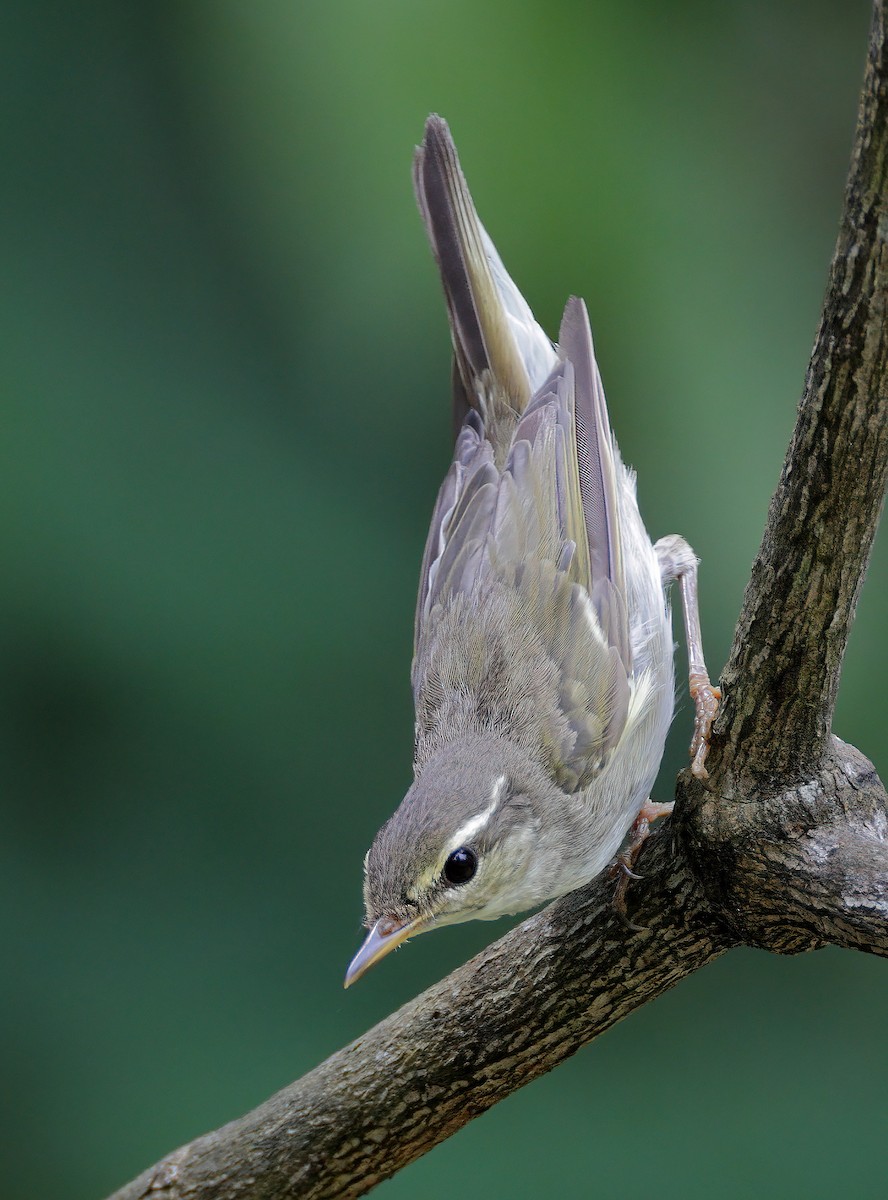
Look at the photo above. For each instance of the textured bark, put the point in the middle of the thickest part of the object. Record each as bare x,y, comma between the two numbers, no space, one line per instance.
788,834
785,846
798,866
783,671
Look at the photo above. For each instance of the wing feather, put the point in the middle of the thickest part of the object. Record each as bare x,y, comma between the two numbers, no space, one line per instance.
522,578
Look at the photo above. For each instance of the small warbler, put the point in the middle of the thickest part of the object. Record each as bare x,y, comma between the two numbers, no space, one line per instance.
542,670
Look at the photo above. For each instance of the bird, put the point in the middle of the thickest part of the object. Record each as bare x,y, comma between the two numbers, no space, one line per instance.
542,670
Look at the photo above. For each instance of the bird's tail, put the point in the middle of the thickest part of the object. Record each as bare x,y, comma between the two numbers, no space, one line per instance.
496,341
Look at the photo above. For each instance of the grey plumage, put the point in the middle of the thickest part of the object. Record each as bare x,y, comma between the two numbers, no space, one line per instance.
542,672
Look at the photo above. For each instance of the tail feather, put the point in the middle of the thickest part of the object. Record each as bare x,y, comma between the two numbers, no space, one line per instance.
496,340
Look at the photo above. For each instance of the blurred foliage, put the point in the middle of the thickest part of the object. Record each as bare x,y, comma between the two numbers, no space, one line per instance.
225,399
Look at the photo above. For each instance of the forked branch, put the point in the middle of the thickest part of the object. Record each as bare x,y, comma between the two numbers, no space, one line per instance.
786,847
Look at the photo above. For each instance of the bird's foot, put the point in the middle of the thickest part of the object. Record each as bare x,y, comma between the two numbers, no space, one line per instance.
706,699
622,866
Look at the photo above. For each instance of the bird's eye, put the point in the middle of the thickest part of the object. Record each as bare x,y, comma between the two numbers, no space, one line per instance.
460,866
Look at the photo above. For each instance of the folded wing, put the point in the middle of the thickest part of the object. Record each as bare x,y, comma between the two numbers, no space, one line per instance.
526,518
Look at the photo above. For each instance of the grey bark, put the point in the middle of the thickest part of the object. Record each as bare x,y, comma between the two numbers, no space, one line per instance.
785,846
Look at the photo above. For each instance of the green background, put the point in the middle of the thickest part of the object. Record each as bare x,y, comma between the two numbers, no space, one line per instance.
225,409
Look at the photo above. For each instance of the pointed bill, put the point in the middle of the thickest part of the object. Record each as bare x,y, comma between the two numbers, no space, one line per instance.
383,937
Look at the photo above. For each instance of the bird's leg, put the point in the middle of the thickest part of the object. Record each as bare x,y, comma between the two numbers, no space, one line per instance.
622,865
678,561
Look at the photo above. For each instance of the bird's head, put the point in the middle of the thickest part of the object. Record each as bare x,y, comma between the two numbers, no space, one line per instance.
469,841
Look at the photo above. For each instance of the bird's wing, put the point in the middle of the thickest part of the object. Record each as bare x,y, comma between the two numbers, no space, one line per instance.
534,548
598,472
528,509
501,356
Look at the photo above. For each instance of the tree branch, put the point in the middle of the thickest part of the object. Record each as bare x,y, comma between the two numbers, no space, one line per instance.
785,847
798,867
788,835
783,670
515,1011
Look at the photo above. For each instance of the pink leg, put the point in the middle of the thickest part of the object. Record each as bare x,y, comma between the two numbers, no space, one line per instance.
678,561
622,866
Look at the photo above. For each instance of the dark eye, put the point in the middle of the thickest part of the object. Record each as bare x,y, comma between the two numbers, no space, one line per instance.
460,866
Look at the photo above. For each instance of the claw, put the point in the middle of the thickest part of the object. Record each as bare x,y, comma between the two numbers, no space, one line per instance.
706,699
622,865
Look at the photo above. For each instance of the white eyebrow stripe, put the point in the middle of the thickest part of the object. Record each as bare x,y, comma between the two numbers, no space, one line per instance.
476,824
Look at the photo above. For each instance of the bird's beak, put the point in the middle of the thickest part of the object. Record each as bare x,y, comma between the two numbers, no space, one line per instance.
385,935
